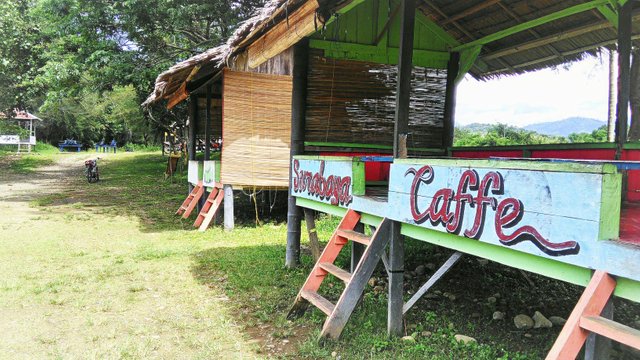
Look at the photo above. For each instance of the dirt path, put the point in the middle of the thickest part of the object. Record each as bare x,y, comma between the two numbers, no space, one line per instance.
77,283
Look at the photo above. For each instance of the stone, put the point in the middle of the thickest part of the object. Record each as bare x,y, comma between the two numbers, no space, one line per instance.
492,300
557,320
412,326
431,296
334,354
523,322
465,339
540,321
452,297
496,295
378,289
483,262
407,276
426,333
498,315
420,270
527,335
408,340
475,315
431,266
438,292
373,281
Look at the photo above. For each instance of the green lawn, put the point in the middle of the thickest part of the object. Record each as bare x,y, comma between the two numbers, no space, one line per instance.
107,270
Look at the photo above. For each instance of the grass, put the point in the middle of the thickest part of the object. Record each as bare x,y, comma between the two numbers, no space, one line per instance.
41,155
106,270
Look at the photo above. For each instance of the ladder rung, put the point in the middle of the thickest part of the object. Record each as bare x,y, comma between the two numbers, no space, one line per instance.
318,301
355,236
612,330
336,271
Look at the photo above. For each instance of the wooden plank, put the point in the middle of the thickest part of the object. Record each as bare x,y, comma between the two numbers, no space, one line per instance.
355,236
336,271
348,300
596,346
395,270
624,74
318,301
453,68
213,210
593,300
453,259
205,208
197,192
612,330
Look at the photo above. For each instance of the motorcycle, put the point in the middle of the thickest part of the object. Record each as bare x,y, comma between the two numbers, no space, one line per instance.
91,170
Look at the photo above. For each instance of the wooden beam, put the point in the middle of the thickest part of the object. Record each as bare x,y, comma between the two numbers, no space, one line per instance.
453,259
624,75
405,67
470,11
533,23
207,126
547,40
450,100
383,32
564,53
193,126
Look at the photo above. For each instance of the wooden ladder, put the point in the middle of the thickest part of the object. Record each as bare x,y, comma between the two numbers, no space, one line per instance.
210,208
338,314
191,201
586,318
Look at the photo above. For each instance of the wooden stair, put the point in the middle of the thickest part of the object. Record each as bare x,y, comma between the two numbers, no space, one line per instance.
209,210
586,318
338,314
191,201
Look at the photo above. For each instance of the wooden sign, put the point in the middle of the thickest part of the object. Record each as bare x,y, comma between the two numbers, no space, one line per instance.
333,182
549,213
193,172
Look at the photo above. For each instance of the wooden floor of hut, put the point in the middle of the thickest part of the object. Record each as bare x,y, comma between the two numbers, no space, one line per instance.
630,223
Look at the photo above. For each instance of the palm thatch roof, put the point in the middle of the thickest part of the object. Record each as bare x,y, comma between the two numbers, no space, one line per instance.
550,43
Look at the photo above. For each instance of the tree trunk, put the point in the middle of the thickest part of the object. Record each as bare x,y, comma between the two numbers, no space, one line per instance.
611,118
634,130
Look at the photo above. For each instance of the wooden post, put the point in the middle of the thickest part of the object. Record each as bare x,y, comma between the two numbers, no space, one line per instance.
193,119
453,67
298,112
624,74
207,139
400,133
310,220
357,249
599,347
405,67
228,207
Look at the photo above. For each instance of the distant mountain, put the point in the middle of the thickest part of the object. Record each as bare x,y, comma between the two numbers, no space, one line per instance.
566,126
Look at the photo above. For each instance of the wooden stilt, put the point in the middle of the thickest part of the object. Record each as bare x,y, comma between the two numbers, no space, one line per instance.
228,208
396,281
313,234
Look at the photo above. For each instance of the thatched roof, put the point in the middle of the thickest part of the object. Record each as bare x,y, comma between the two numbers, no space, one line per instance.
550,44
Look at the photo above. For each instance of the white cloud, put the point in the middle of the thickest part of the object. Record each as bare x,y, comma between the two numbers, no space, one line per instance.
545,95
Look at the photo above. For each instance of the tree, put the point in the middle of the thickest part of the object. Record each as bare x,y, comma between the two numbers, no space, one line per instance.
502,135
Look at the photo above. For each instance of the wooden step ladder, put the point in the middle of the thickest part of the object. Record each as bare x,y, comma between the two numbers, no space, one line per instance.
210,208
191,201
338,314
586,318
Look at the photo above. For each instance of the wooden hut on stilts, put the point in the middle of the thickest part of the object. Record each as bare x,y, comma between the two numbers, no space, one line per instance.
356,100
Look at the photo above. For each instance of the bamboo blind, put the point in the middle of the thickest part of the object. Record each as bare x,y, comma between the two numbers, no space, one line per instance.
257,129
354,102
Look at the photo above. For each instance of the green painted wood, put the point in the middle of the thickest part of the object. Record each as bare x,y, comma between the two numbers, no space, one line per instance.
358,178
533,23
515,164
372,53
609,14
366,146
467,58
611,199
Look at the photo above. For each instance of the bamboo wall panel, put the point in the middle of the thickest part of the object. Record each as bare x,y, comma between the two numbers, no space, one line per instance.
354,102
257,129
281,64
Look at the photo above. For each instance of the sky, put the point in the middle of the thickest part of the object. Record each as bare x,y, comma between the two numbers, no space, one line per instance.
542,96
